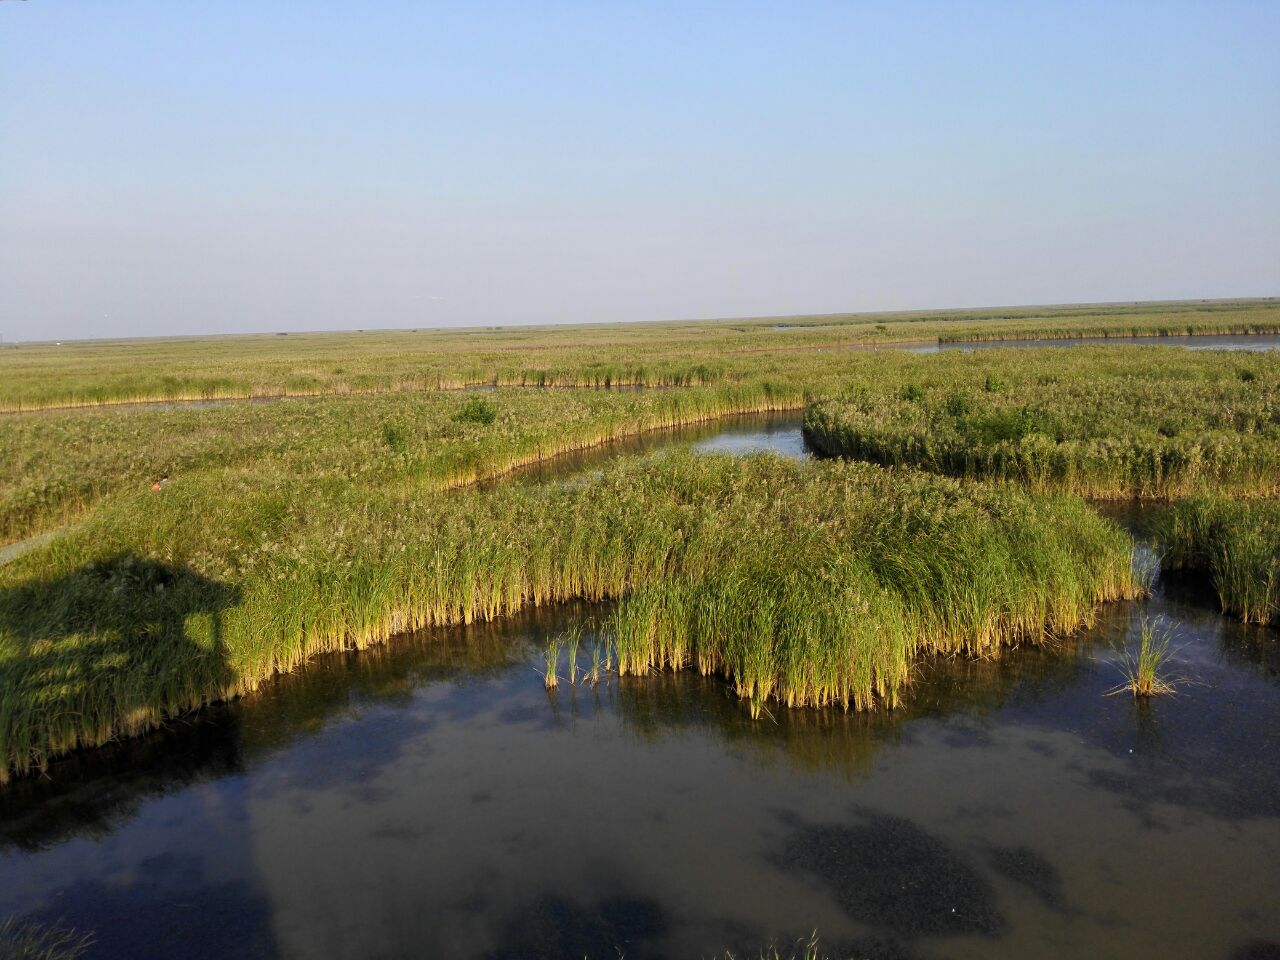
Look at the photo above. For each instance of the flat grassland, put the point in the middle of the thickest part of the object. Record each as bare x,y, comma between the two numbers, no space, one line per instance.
36,376
338,518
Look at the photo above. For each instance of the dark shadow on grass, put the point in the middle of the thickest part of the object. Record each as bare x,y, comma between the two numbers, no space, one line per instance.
109,648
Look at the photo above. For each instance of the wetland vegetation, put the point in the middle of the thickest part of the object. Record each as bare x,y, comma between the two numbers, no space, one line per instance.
34,376
766,633
1089,422
808,583
1235,545
212,547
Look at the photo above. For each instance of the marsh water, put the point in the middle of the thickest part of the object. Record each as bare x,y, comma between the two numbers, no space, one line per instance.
1248,342
431,799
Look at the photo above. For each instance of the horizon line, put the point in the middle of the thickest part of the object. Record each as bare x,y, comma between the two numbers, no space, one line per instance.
754,318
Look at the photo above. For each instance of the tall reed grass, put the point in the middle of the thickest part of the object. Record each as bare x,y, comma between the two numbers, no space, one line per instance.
1104,437
802,584
1235,545
1155,419
891,566
302,526
62,466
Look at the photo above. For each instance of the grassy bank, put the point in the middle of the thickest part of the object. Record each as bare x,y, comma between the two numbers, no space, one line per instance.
140,615
1235,545
1080,425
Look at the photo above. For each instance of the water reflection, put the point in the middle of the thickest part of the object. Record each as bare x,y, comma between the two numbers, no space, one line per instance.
777,432
430,798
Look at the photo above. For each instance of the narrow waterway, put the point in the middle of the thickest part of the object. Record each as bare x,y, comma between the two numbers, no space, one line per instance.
430,798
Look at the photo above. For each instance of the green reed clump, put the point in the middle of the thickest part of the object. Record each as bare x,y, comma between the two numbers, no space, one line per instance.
1236,545
802,584
1144,669
572,640
833,605
394,436
598,662
477,410
551,657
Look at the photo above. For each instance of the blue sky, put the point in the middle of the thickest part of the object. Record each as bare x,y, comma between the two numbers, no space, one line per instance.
174,168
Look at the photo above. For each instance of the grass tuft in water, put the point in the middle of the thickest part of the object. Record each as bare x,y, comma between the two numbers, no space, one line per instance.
552,656
1144,669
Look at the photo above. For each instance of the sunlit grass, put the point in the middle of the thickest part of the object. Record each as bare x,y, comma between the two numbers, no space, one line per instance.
801,584
301,526
34,376
1073,425
1145,669
1235,545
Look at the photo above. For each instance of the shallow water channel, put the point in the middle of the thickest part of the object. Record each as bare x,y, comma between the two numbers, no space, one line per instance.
430,799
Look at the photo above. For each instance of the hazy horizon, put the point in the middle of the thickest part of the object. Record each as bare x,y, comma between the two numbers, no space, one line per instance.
869,314
237,168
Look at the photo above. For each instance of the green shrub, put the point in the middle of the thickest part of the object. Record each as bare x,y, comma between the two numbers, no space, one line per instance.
393,435
477,410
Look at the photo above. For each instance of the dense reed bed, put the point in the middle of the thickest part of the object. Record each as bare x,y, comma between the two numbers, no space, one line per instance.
141,614
1106,434
38,376
60,465
1235,545
846,581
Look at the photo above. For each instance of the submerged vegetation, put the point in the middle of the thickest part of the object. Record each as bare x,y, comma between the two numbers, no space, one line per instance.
1235,545
807,948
